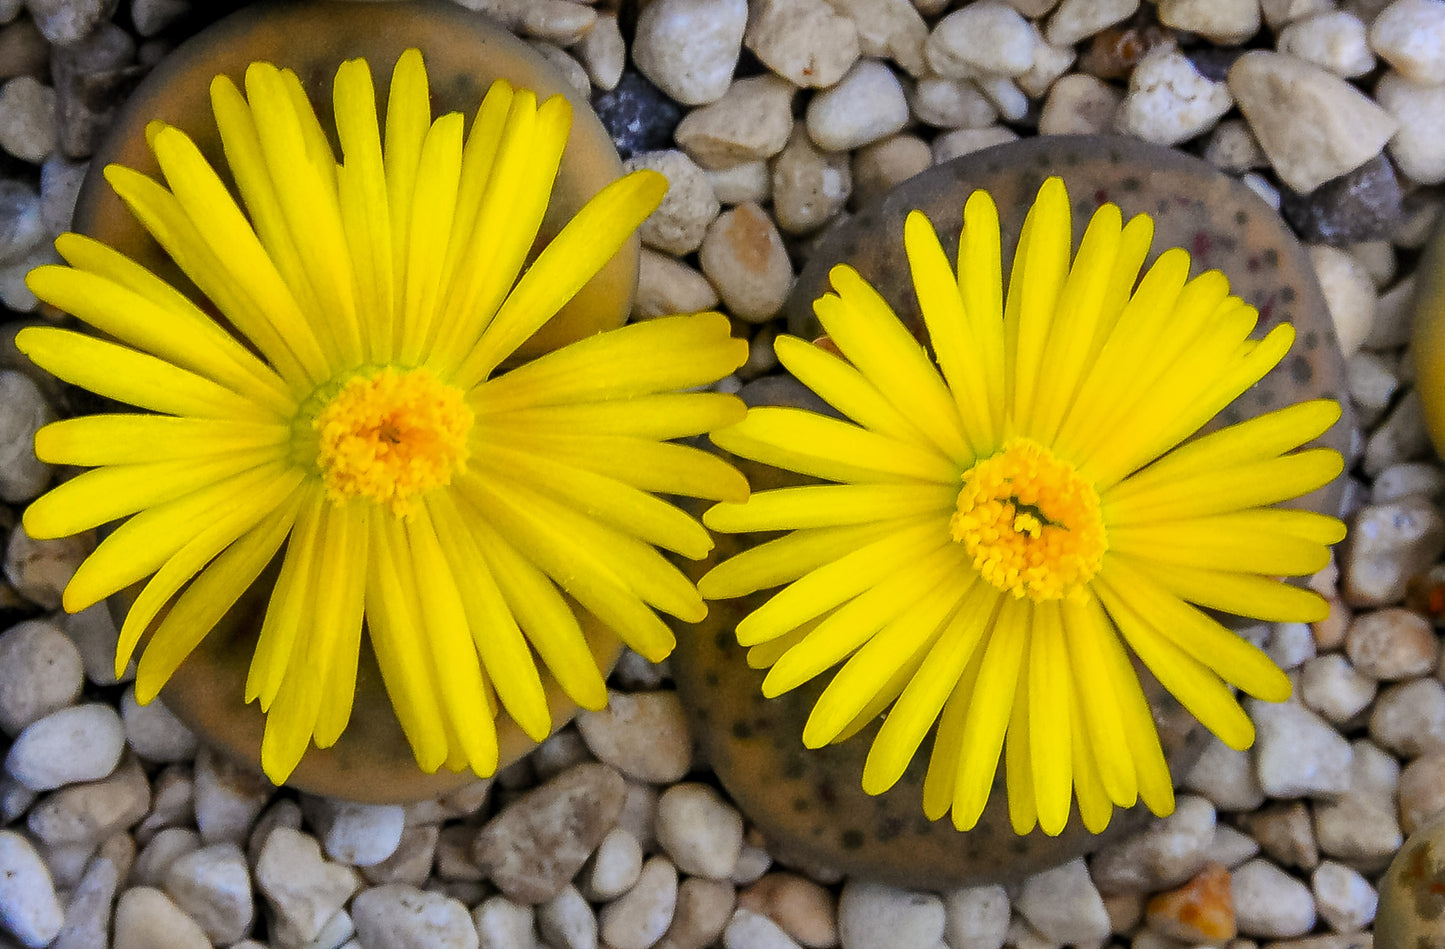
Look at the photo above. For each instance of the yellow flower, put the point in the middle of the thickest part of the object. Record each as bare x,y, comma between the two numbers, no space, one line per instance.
999,527
357,417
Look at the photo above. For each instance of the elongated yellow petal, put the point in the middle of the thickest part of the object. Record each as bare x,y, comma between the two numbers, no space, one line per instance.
989,709
479,155
213,592
1269,541
786,559
1102,718
1023,811
923,698
433,207
941,776
1243,594
980,285
107,494
125,439
1209,491
1040,265
365,207
1050,698
871,336
132,377
894,595
839,581
1095,806
546,619
960,354
661,417
843,387
826,505
802,441
498,638
290,599
673,352
572,258
335,643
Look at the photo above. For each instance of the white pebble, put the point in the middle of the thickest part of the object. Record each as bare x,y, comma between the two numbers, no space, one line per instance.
983,38
80,743
866,105
748,930
303,890
809,187
976,916
1343,897
804,41
1064,905
1297,753
213,886
1408,479
1075,20
878,916
603,52
1389,544
747,181
165,848
1419,146
502,924
396,916
154,732
1334,688
1269,902
1334,40
680,221
40,673
880,166
615,866
1312,124
567,922
228,797
1226,777
666,285
29,908
1410,35
1167,854
950,103
950,145
1392,644
1169,101
700,831
1079,104
1230,848
689,48
22,475
358,834
1226,22
641,916
751,121
27,119
1349,294
1290,645
1409,718
146,918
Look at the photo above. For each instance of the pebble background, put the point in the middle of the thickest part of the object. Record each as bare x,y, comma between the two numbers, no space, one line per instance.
772,118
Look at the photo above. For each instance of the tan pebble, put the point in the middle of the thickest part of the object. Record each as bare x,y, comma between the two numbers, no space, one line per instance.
888,29
557,21
803,41
1074,20
752,121
809,186
603,53
1201,910
880,166
1392,644
963,141
1080,105
744,257
666,285
681,220
749,181
805,910
703,909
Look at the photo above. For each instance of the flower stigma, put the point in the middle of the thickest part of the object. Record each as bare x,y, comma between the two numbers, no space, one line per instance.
1031,524
392,436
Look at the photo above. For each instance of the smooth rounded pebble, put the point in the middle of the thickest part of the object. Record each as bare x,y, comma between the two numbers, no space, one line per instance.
397,916
566,921
640,917
1392,644
153,732
1334,40
616,864
703,909
1410,35
1165,855
1419,146
751,121
689,48
213,886
985,38
1389,544
976,916
805,910
29,908
1226,777
1343,897
1297,753
1312,124
744,257
1269,902
700,831
80,743
359,834
866,105
1349,294
1409,718
748,930
145,918
643,734
22,475
1075,20
877,916
40,672
1330,685
1064,905
1226,22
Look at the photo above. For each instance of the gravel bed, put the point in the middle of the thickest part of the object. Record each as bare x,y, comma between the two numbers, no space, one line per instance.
772,119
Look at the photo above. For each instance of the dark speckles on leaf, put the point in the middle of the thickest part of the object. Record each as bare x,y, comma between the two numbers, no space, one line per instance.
1241,218
1286,294
1270,257
851,839
1311,340
801,805
711,677
723,640
1300,370
742,731
1131,184
823,790
889,828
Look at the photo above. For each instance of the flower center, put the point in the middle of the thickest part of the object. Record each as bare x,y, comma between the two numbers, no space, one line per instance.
391,436
1031,524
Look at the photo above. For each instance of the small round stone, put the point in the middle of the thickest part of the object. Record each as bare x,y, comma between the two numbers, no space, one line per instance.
700,831
1392,644
876,916
1419,146
153,732
40,672
1422,791
1349,293
806,42
23,410
615,866
642,734
680,221
1409,718
689,48
1410,35
1343,897
80,743
1335,40
1334,688
29,908
866,105
1270,903
1226,22
1064,905
744,257
397,916
146,917
982,38
213,886
641,916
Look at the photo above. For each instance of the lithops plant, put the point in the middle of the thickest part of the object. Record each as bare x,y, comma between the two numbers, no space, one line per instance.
809,803
1412,894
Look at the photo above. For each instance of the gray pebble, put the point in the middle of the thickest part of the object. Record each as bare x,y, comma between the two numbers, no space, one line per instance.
640,917
40,672
402,917
23,410
29,908
213,886
154,732
86,814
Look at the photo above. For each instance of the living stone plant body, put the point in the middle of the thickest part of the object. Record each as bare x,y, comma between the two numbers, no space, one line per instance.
773,120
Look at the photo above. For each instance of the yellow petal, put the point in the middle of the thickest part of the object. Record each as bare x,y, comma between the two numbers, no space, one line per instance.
786,559
1050,698
989,710
826,505
127,439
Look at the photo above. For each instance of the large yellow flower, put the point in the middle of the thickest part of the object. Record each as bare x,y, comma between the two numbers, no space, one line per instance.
357,417
1001,531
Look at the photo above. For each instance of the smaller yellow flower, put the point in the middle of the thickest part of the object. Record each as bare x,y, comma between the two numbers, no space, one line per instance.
356,424
1018,508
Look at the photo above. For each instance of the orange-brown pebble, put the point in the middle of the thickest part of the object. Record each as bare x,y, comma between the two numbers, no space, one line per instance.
1201,910
1330,631
800,907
